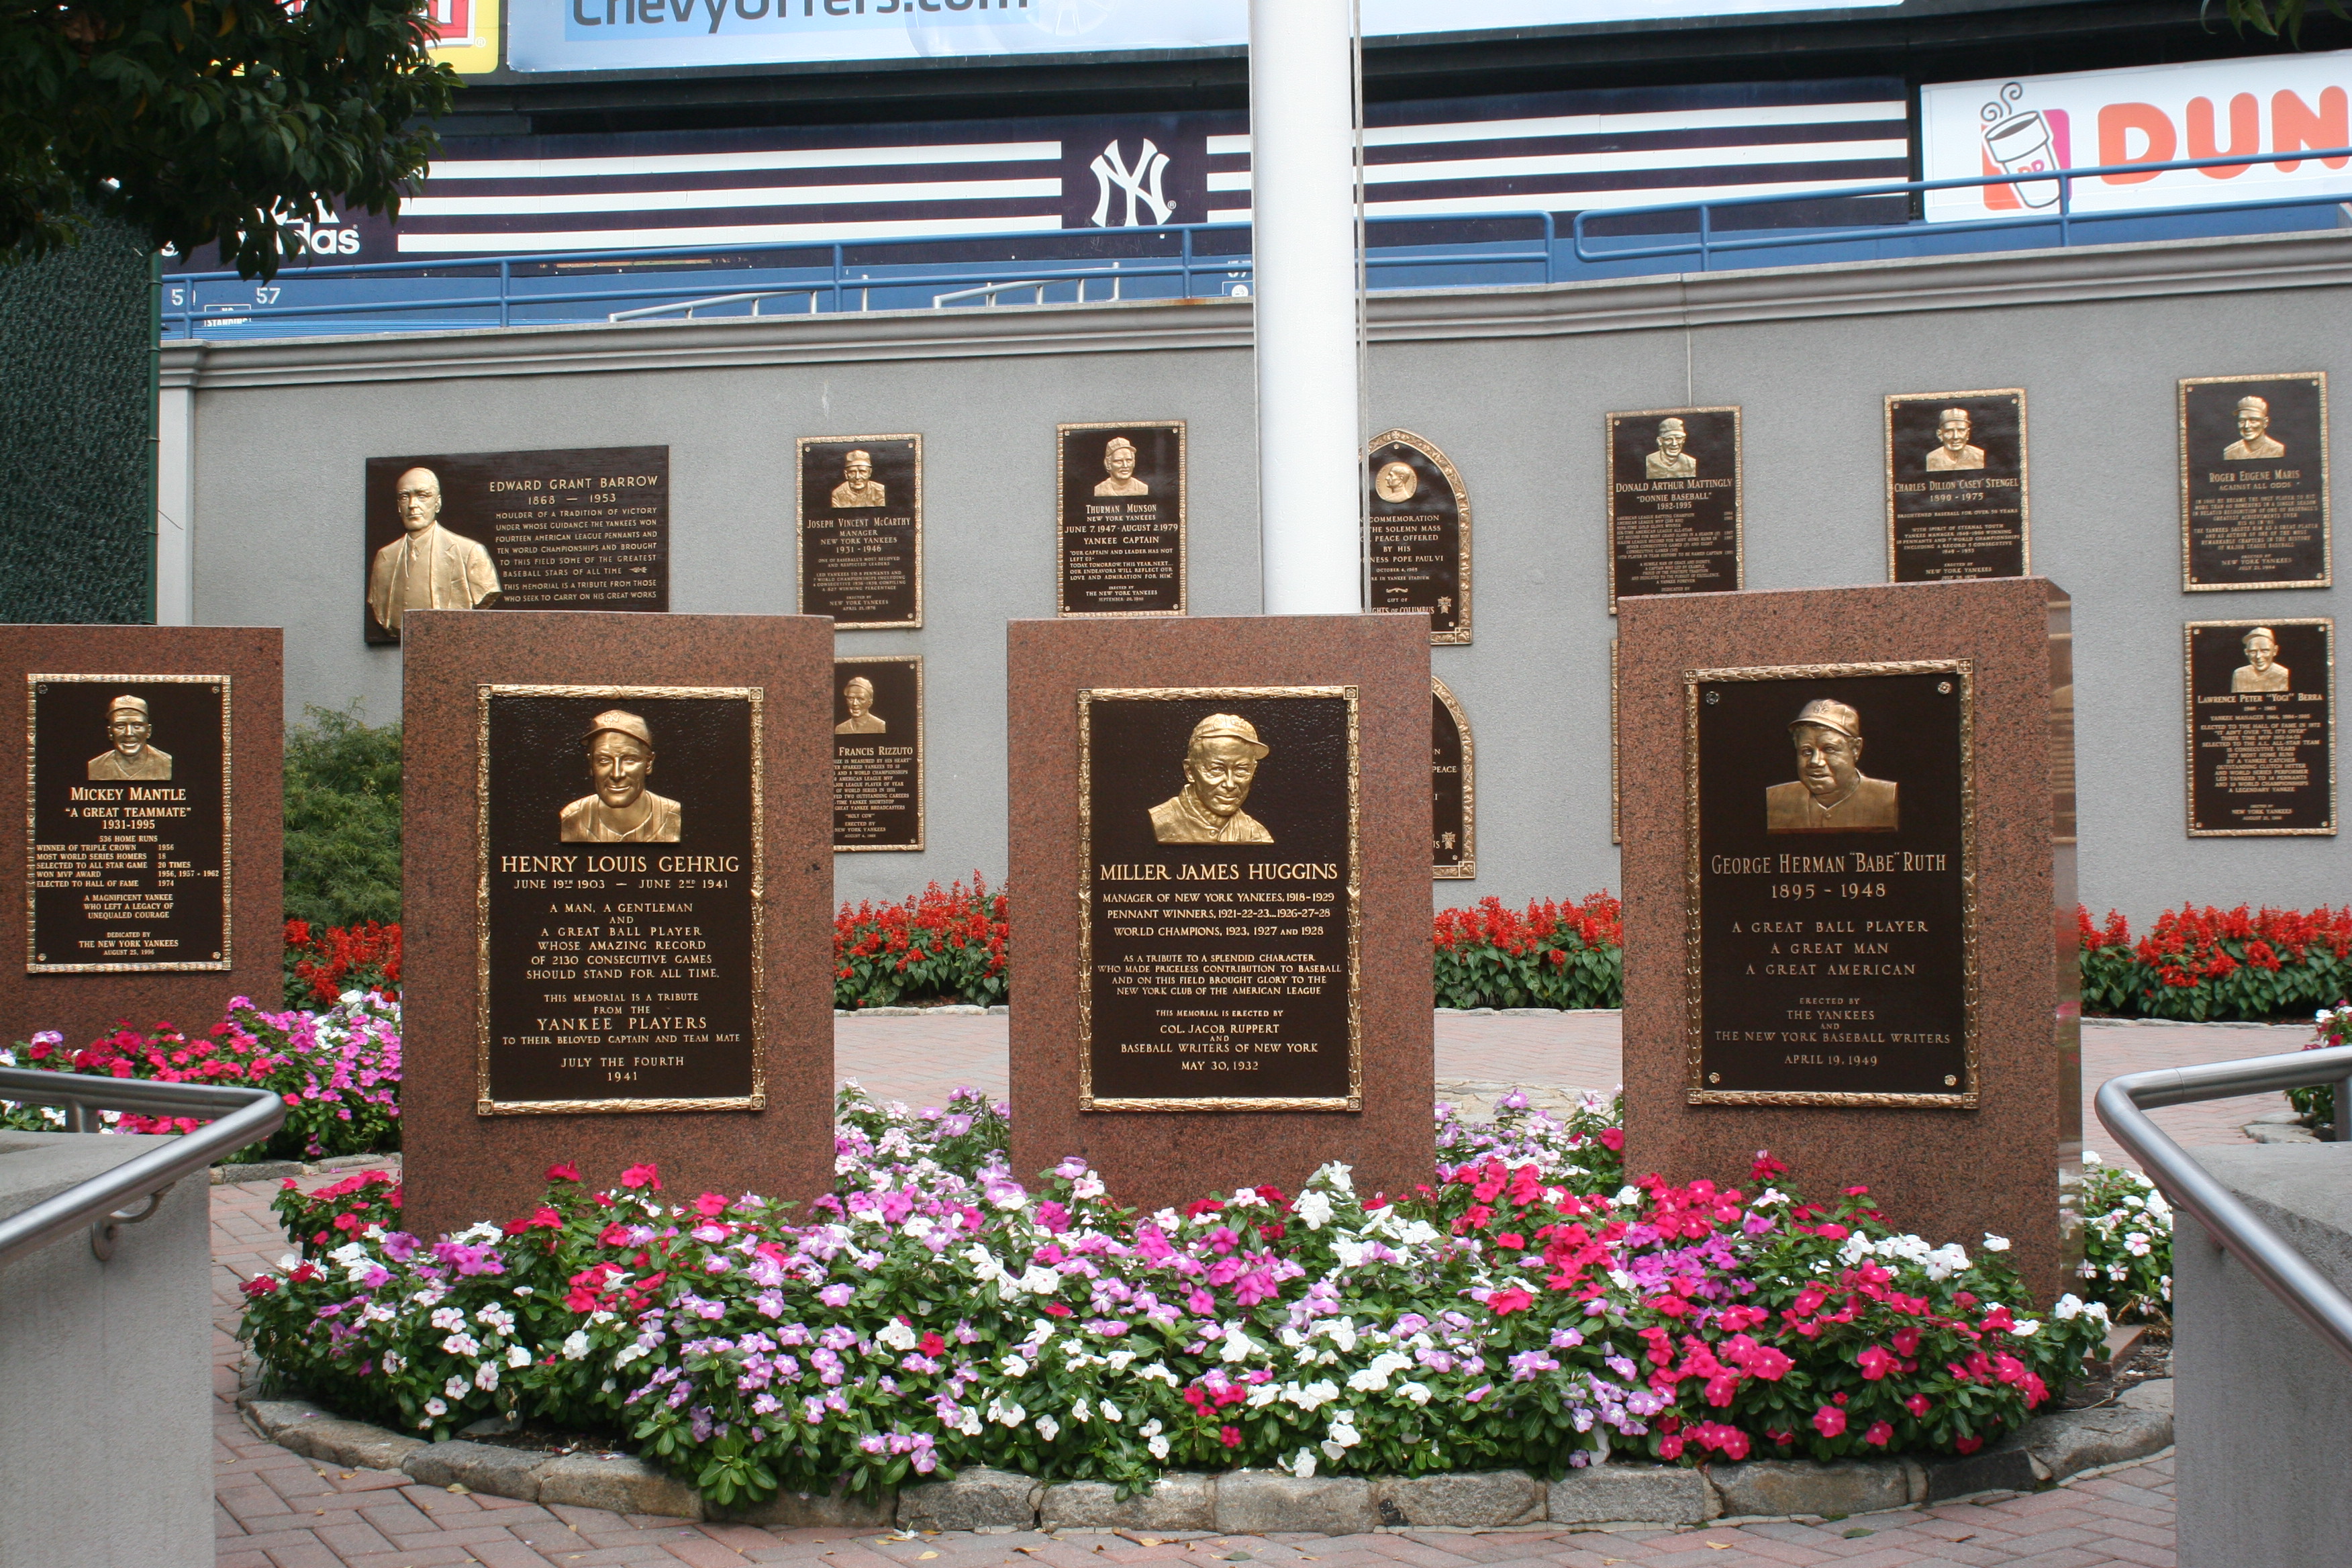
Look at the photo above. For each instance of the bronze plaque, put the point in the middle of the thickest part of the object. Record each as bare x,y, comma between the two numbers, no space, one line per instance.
2262,728
620,898
1119,497
2254,482
1831,885
877,752
129,780
1417,534
860,501
1453,765
1219,873
1673,503
1955,485
584,528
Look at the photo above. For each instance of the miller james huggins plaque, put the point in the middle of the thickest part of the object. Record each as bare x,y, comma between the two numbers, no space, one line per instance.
1955,502
877,752
859,508
128,863
2262,728
1452,760
620,898
2254,482
1673,503
1830,913
1219,875
1417,534
1119,508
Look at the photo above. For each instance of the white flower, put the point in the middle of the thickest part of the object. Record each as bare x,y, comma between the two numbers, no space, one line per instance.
983,1262
1302,1463
1007,1415
575,1344
496,1318
968,1421
517,1356
435,1407
2136,1244
486,1376
628,1354
1239,1346
898,1335
1117,1361
2069,1308
2091,1156
1340,1331
1048,1428
1321,1392
1014,1366
1110,1412
1351,1253
455,1387
1263,1394
448,1319
1314,1208
1416,1392
1087,1186
1628,1197
1373,1377
1338,1176
1343,1429
1082,1411
2027,1329
1159,1446
2097,1309
1996,1242
462,1344
1040,1280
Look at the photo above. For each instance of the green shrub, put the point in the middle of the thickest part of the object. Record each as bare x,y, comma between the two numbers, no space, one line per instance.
343,819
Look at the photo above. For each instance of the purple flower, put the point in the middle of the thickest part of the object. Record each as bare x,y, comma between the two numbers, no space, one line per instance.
1566,1339
837,1295
1527,1365
469,1259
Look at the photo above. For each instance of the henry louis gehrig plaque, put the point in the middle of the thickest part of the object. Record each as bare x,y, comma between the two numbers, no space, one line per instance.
1219,872
2254,482
1418,534
2262,728
1453,818
860,511
1119,540
129,861
1956,501
1831,917
877,754
1673,503
621,881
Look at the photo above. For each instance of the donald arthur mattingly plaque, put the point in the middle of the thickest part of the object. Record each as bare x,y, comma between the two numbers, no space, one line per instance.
858,504
1119,541
1673,503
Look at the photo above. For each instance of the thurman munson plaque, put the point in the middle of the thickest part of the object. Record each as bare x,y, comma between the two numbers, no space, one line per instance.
2262,728
1453,821
1120,503
1830,915
877,754
1418,534
2254,482
127,864
1673,503
1955,485
1218,875
620,927
571,529
860,510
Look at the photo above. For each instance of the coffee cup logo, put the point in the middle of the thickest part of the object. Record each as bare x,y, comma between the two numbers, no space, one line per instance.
2023,141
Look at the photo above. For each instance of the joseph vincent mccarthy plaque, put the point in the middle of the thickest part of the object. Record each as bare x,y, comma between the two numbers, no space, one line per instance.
2262,728
1831,917
860,509
2254,482
877,752
620,898
1219,872
1453,820
1419,534
1673,503
1955,485
1120,545
128,865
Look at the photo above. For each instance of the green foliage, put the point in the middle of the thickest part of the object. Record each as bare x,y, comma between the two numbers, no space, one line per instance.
2274,18
343,819
2126,1241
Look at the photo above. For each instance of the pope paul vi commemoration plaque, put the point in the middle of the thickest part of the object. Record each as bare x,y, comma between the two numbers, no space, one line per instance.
620,898
1673,503
860,501
1119,496
1830,888
2254,482
571,529
1956,501
877,754
2262,728
1219,873
1418,534
1453,820
129,780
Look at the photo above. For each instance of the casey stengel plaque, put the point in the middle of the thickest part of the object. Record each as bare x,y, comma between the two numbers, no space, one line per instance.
1454,817
2254,482
877,752
1418,534
620,898
1956,504
1830,918
128,858
1673,503
2262,728
1219,875
860,509
1120,544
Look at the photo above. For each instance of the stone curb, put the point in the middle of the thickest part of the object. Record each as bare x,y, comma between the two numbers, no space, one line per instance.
278,1169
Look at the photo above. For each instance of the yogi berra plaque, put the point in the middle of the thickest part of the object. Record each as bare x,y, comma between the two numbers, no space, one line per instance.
2262,728
1673,503
1120,544
860,509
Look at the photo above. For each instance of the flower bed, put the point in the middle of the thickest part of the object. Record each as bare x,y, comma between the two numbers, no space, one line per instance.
1548,955
2126,1241
939,943
322,963
2210,964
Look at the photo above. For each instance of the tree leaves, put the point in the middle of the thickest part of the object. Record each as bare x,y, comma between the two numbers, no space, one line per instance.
2274,18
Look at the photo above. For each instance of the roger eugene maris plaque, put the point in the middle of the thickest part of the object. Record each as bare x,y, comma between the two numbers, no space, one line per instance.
877,752
1956,505
1830,913
1418,534
570,530
2262,728
1219,874
1454,817
1673,503
127,867
2254,482
620,898
860,511
1119,540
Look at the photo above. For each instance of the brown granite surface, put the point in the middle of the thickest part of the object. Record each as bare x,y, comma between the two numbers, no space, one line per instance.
85,1006
1950,1176
1150,1158
462,1167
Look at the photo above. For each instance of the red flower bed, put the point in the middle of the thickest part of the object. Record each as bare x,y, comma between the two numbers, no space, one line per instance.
320,965
2216,964
943,943
1547,955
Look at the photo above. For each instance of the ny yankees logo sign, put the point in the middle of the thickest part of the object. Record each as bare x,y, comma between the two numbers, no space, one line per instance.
1141,182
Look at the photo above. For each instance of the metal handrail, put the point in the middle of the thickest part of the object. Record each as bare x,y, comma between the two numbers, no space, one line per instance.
244,1115
690,306
2123,1106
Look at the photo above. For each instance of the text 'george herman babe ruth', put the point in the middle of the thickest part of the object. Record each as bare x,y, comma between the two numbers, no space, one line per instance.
1830,793
1219,763
622,810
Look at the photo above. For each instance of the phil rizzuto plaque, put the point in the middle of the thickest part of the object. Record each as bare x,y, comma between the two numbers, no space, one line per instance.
2262,728
877,754
570,530
1418,534
1219,868
2254,482
620,898
1956,501
1673,503
1453,758
1120,543
1829,907
128,863
860,510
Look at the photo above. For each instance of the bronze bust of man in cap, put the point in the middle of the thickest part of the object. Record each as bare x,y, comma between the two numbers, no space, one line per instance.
622,810
131,757
1219,763
1830,793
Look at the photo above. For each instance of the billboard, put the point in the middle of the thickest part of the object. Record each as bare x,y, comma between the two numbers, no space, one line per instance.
466,34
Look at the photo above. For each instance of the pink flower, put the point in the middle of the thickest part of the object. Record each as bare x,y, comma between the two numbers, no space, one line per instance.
566,1171
710,1205
1504,1302
1918,1404
1878,1433
1829,1420
1877,1363
642,1177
